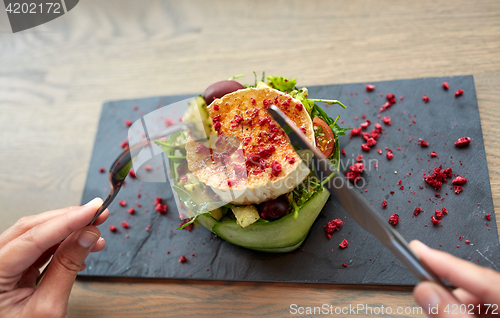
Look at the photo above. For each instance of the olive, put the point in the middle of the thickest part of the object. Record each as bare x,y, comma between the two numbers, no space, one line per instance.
219,89
273,209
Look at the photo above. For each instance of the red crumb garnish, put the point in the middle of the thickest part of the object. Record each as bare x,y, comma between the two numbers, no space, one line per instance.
423,143
461,142
161,208
112,228
457,189
252,100
125,225
378,126
459,93
394,219
266,102
132,173
384,203
357,167
434,154
391,98
276,168
417,211
345,265
379,151
459,180
343,152
444,210
467,241
344,244
365,147
187,227
102,170
364,125
124,144
183,259
371,142
148,168
434,221
216,107
370,88
359,158
439,214
122,203
389,155
131,211
332,226
387,120
299,107
353,176
438,177
446,85
128,123
425,99
158,200
488,216
355,132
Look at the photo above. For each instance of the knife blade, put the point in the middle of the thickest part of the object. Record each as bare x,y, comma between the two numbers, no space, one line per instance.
355,205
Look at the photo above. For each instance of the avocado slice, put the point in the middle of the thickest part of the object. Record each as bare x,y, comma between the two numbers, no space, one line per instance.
283,235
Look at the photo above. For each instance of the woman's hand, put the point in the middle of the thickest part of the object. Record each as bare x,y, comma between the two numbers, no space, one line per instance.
478,287
30,243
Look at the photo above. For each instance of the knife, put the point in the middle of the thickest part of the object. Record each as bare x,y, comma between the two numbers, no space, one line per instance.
354,204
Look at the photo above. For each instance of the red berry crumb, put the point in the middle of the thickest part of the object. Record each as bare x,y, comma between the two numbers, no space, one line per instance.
132,173
488,216
387,120
102,170
439,214
423,143
332,226
394,219
343,152
148,168
183,259
384,203
462,142
357,167
344,244
467,241
446,85
128,123
365,147
417,211
345,265
131,211
122,203
459,93
161,208
457,189
370,88
459,180
125,225
438,177
434,220
434,154
389,155
112,228
425,99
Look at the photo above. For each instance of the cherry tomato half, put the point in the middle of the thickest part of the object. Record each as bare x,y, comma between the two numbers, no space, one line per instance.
325,140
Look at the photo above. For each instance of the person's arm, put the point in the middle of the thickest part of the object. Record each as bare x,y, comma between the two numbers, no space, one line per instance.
30,243
478,288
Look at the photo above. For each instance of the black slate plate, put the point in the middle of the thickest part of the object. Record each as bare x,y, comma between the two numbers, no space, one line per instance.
156,253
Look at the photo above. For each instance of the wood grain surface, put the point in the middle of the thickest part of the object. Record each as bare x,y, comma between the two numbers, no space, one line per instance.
55,77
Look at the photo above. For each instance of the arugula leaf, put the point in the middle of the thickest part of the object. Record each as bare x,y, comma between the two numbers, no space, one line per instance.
281,83
328,101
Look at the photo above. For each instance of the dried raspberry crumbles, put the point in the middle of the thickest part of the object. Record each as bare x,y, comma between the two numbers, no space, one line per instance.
457,189
425,99
394,219
459,93
125,225
344,244
434,220
386,120
112,228
488,216
332,226
384,203
389,155
438,177
183,259
370,88
459,180
462,142
122,203
445,85
417,211
161,208
423,143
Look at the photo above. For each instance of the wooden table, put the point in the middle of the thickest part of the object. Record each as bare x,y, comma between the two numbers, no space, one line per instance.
54,78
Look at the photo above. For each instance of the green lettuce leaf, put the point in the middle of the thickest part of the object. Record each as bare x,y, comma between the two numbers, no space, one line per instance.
281,83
